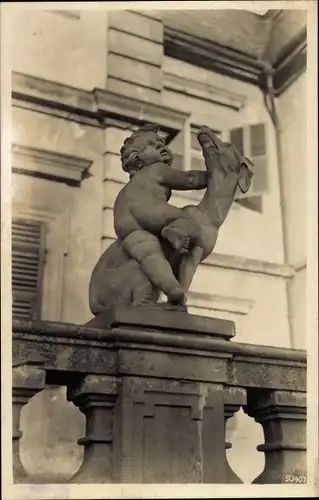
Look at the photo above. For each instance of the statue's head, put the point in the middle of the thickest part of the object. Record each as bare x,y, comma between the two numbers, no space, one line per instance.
143,148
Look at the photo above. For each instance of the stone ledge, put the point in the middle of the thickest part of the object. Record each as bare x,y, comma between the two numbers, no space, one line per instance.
250,265
203,91
164,321
65,349
80,332
219,303
49,164
93,107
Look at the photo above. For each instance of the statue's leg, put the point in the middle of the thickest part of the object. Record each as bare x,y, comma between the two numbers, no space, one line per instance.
145,248
181,233
188,266
145,294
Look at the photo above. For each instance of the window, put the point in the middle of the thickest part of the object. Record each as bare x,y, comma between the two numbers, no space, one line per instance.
251,142
28,253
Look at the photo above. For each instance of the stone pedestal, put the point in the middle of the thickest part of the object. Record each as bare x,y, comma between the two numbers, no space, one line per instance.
169,422
165,321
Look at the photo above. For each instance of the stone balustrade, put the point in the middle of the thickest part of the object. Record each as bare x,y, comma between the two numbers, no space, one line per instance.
156,397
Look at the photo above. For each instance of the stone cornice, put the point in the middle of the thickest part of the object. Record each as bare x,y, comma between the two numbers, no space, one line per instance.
49,164
110,104
212,56
290,63
98,107
250,265
233,305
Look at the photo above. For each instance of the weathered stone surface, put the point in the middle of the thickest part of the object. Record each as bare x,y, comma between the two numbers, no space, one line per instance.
163,320
65,348
153,418
283,417
156,401
95,395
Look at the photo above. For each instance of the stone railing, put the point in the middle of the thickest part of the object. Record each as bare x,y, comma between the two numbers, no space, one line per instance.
156,398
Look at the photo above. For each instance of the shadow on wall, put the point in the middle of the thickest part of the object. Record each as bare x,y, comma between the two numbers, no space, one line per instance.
51,427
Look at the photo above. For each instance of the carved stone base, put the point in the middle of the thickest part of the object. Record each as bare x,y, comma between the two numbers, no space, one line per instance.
164,320
169,431
169,422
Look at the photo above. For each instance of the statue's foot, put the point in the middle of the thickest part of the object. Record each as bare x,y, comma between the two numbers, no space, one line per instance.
177,239
176,296
168,306
144,303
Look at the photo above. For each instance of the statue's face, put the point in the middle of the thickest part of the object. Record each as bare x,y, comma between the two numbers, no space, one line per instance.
151,149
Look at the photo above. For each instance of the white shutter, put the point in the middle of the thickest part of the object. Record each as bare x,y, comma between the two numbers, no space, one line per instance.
251,141
28,250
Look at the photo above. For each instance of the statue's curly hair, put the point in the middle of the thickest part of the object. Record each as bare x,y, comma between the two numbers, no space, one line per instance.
129,155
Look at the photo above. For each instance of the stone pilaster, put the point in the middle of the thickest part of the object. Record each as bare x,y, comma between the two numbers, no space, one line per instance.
282,415
27,380
135,54
96,396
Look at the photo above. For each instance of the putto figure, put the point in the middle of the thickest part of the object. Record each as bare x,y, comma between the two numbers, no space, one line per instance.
159,246
142,216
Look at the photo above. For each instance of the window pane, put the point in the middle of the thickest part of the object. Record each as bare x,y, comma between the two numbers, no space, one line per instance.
259,179
258,139
237,138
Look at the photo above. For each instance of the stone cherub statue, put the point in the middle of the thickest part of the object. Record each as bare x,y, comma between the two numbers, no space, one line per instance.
160,246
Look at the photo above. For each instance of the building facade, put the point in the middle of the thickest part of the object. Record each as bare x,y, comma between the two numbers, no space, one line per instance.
81,81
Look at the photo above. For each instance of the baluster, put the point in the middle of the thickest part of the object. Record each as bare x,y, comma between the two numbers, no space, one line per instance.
234,398
282,415
27,380
95,396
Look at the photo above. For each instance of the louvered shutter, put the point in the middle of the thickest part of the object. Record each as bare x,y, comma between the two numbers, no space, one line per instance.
258,155
28,250
251,141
